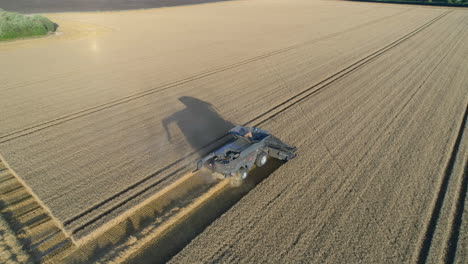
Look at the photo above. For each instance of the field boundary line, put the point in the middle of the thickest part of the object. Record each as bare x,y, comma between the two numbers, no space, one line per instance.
59,120
285,105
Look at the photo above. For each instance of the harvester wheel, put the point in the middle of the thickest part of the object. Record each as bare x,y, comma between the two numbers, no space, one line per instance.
243,173
262,159
238,178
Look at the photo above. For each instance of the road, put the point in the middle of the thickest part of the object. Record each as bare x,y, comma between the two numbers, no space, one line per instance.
100,113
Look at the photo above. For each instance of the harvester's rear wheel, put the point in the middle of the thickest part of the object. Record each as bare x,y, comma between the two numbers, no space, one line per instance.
262,159
238,178
243,173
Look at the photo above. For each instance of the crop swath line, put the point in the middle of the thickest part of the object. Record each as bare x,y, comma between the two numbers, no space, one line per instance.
394,118
59,120
41,234
337,76
437,207
287,104
118,205
133,186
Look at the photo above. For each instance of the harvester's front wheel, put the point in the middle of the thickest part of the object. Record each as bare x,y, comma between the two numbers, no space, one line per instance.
262,159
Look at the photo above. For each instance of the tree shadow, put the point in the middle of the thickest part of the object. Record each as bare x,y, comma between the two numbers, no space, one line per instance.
198,121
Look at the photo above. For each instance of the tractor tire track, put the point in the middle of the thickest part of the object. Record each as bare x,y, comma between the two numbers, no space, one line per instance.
452,242
85,112
256,121
431,227
236,64
379,219
335,77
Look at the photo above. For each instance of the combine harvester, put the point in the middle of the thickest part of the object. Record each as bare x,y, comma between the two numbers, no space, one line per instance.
246,147
179,212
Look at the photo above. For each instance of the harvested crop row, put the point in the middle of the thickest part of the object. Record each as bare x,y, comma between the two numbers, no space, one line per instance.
144,251
11,250
373,149
271,113
165,223
36,231
94,154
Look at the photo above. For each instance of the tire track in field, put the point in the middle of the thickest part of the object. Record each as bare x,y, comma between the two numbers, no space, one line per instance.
214,256
394,118
426,240
344,184
59,120
268,54
377,144
452,242
256,121
316,88
262,56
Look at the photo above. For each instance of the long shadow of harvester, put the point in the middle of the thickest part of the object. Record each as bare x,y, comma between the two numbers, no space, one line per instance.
199,122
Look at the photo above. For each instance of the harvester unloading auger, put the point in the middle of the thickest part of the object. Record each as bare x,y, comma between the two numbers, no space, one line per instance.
247,147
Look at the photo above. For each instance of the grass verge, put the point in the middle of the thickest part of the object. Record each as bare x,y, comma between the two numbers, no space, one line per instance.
15,25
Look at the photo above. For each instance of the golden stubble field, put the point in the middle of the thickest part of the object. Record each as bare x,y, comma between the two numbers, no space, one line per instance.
119,104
